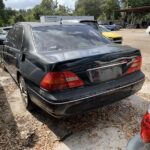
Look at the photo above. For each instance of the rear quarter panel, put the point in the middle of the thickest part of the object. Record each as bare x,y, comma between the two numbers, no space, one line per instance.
32,69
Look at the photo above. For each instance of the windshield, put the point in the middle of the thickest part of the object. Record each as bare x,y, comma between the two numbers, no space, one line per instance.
66,37
103,29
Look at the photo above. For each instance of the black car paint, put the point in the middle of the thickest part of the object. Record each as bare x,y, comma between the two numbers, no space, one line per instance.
33,66
79,100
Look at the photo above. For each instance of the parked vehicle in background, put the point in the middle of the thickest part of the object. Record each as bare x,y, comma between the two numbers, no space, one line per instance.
114,37
148,30
3,33
92,23
69,68
142,141
112,27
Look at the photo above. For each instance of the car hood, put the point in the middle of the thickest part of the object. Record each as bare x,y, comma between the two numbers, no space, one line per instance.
65,55
111,35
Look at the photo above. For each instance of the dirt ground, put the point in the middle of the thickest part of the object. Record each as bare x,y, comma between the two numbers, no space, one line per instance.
107,128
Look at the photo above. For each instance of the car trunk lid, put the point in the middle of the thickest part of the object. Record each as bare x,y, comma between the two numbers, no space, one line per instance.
101,64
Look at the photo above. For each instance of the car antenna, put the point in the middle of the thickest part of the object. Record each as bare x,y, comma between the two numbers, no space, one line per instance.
61,21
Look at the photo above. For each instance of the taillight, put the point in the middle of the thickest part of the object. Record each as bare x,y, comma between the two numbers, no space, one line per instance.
60,80
145,128
136,65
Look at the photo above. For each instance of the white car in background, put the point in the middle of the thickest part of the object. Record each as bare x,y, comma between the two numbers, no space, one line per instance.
148,30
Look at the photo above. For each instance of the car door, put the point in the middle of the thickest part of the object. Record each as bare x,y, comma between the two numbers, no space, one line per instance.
13,50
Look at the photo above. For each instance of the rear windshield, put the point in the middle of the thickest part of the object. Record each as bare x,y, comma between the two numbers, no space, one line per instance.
66,37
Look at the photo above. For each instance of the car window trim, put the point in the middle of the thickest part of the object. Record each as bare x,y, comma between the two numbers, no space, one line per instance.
34,43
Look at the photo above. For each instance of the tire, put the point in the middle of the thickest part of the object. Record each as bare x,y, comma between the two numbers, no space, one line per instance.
25,96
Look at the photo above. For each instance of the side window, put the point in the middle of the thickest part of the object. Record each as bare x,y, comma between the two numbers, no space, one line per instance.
18,38
10,37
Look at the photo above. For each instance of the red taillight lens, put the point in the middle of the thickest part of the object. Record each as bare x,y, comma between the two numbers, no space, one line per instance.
60,80
145,128
136,65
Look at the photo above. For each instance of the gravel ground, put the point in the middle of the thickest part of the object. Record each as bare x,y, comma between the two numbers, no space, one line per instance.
108,128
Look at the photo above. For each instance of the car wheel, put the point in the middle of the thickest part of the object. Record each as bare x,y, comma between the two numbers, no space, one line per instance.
25,96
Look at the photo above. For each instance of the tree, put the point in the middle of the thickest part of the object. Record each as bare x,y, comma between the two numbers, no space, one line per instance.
62,10
89,7
98,8
135,3
109,8
2,6
37,11
19,18
48,7
9,16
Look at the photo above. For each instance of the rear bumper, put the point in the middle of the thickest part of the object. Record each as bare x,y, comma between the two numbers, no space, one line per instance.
81,100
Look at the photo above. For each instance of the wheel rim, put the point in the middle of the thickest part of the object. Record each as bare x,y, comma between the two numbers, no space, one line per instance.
24,92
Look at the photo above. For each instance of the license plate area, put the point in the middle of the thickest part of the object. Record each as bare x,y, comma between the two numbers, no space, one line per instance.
105,74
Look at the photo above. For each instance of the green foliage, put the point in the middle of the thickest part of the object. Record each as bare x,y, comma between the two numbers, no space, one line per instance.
2,6
19,18
109,8
135,3
89,7
99,8
62,10
136,18
138,3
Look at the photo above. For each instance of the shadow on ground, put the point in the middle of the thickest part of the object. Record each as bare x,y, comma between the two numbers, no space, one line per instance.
10,137
123,115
